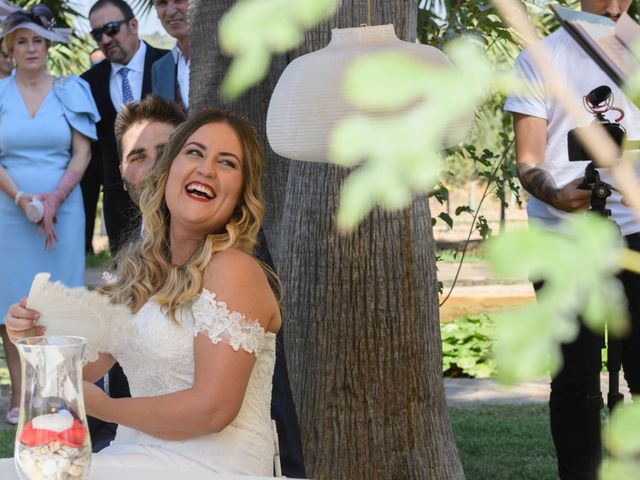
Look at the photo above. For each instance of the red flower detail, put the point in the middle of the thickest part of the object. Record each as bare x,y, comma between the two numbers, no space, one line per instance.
35,437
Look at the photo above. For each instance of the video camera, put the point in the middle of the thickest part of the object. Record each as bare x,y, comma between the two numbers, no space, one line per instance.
598,102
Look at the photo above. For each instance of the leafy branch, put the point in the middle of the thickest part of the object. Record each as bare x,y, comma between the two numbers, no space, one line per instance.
475,218
253,30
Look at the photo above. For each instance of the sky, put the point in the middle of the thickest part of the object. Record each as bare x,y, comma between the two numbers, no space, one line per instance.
148,24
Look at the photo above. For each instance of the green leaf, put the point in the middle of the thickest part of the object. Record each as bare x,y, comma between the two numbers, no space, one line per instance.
467,362
612,469
447,347
621,434
307,12
252,30
401,148
264,25
465,348
392,175
483,227
464,208
355,200
446,218
483,370
245,71
525,336
388,81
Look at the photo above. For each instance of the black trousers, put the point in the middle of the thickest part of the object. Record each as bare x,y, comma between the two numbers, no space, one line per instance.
574,417
91,182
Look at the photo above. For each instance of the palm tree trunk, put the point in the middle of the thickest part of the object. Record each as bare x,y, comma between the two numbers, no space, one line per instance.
361,310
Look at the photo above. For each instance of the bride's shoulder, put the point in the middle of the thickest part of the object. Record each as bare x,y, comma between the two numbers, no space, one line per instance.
238,279
233,263
235,271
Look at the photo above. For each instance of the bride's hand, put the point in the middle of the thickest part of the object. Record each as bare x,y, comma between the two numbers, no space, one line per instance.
22,322
94,398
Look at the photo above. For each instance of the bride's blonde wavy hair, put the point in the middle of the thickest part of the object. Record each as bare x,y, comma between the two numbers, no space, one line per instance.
143,270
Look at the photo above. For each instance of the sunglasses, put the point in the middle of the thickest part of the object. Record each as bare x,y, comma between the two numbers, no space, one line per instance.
111,29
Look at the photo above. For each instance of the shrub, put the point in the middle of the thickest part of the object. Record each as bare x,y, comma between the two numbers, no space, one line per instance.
467,347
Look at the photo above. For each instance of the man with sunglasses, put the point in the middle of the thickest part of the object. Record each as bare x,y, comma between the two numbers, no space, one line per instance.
124,76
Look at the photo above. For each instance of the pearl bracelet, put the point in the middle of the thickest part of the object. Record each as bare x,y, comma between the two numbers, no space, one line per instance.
19,195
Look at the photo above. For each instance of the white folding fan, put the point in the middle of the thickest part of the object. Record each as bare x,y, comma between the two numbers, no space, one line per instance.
79,312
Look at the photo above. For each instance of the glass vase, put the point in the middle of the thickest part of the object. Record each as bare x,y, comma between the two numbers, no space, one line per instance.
52,439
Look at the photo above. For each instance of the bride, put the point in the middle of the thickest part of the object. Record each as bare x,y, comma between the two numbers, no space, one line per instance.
201,362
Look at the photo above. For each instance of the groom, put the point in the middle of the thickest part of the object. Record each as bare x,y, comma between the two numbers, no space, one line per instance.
141,129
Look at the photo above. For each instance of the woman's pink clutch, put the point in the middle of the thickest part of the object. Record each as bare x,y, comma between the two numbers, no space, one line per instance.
35,210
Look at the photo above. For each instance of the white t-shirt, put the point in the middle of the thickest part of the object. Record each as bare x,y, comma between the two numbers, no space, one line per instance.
583,75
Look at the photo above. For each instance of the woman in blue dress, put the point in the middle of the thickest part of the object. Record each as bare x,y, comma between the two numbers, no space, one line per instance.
46,124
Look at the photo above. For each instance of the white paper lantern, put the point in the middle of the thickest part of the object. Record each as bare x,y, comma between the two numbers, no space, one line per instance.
308,100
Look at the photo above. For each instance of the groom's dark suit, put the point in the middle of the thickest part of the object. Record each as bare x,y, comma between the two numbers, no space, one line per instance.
120,213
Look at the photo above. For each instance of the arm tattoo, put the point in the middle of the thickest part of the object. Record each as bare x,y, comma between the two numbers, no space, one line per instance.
538,182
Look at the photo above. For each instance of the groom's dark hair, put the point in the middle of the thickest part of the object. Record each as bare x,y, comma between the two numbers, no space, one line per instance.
152,109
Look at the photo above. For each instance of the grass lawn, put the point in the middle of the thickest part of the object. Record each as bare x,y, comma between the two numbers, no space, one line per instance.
98,260
504,441
495,441
7,437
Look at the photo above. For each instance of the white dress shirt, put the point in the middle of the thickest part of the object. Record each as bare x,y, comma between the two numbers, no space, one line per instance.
135,76
184,66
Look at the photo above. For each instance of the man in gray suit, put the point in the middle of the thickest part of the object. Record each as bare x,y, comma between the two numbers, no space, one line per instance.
170,74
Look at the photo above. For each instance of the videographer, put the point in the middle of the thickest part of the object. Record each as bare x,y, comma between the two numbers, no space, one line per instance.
541,129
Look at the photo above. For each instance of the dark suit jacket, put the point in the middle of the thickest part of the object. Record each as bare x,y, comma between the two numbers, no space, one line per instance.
120,213
163,77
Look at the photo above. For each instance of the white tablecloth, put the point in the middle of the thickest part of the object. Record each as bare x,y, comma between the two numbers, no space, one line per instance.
8,472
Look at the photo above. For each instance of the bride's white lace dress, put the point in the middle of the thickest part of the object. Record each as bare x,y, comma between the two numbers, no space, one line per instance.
159,360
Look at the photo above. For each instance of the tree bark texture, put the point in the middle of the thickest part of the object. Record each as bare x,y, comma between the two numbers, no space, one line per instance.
361,309
363,337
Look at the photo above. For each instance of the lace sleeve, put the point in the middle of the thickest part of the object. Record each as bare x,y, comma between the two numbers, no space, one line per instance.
220,324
